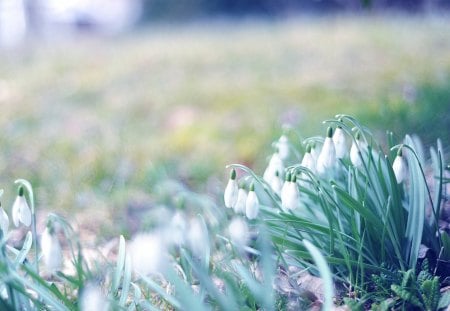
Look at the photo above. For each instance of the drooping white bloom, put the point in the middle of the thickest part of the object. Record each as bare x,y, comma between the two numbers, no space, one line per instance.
177,229
359,146
327,156
276,184
198,239
252,204
21,212
51,250
283,147
340,143
291,195
231,191
238,231
239,207
148,253
308,160
275,165
4,221
399,167
92,298
314,152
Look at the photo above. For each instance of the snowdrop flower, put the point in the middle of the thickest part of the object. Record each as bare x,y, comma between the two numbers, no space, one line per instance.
198,239
276,183
283,147
148,253
252,204
177,229
308,160
358,147
275,165
327,156
399,167
231,191
4,221
238,231
285,187
239,207
291,195
51,250
21,211
314,152
92,298
340,142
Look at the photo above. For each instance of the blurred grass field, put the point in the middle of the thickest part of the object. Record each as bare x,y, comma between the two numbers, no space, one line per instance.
92,122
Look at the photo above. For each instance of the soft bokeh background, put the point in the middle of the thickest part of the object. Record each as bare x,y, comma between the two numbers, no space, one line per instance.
98,106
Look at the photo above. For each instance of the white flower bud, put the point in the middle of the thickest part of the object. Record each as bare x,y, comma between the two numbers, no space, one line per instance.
238,231
291,195
92,298
148,253
198,239
327,157
252,204
231,191
308,160
239,207
276,184
340,143
283,147
399,167
21,212
51,250
275,165
356,151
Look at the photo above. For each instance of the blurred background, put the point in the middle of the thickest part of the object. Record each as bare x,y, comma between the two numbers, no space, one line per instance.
101,100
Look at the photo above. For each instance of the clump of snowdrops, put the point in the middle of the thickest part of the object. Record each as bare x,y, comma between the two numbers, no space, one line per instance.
362,216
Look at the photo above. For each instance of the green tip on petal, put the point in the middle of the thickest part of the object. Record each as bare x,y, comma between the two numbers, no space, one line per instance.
277,174
294,178
233,174
400,152
330,132
252,186
308,148
288,176
358,135
20,191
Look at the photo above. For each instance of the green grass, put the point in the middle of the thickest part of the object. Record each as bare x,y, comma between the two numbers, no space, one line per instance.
89,121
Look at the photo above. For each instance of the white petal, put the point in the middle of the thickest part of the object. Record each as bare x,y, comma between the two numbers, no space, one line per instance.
340,143
356,151
24,212
16,211
198,238
92,298
327,157
275,165
400,169
291,197
4,221
51,251
283,147
239,233
239,207
231,193
276,185
252,205
148,253
308,162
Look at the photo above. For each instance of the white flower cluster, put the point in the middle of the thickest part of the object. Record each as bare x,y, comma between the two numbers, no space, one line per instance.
238,199
335,148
